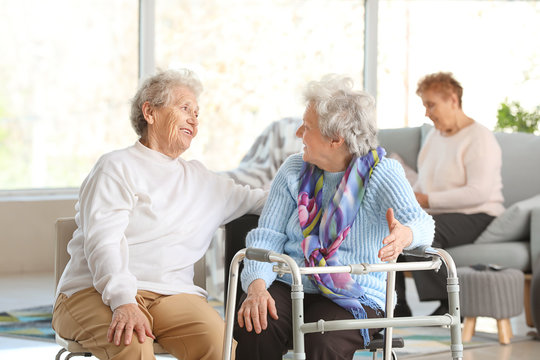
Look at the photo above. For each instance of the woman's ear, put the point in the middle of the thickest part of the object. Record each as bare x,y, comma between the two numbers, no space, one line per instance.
454,99
148,112
337,142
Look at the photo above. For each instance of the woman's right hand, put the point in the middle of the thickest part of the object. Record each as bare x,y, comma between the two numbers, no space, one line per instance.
258,304
128,319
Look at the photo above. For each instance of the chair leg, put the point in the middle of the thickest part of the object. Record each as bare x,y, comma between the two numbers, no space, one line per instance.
468,328
527,301
505,330
59,354
74,354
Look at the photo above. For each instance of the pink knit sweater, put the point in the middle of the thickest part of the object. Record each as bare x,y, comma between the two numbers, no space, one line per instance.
461,173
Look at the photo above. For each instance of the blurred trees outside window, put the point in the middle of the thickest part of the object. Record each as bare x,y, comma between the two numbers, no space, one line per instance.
254,57
491,46
67,71
69,68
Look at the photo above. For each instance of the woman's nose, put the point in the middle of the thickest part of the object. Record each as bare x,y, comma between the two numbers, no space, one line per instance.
300,131
194,118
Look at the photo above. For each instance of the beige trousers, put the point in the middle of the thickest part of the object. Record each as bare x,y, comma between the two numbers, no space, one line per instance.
185,325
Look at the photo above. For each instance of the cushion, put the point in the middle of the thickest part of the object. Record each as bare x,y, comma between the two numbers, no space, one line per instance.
410,174
520,170
511,225
403,141
514,254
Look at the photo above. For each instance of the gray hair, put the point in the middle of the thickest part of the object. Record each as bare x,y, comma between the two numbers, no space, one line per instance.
157,91
344,112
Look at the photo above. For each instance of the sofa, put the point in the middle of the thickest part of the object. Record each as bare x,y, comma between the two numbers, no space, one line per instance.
512,240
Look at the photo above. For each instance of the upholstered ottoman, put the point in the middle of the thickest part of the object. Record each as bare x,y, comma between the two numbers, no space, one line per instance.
491,293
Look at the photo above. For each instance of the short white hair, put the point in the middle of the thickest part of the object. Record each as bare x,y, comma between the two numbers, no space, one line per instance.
158,90
344,112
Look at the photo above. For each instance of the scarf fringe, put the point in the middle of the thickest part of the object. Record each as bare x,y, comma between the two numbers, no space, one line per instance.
360,313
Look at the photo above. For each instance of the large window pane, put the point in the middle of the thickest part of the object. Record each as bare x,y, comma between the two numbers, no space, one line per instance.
491,47
253,57
67,71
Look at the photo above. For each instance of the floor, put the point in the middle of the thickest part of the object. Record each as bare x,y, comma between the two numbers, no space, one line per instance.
29,290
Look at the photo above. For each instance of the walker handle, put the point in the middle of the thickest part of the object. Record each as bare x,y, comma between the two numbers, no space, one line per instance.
256,254
417,251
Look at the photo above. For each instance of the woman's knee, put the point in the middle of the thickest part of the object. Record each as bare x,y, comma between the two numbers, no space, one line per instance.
135,350
266,345
329,345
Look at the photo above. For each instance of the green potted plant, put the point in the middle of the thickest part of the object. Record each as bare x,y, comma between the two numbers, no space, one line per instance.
512,117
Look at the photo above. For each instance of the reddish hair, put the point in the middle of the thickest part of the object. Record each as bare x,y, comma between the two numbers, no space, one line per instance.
441,82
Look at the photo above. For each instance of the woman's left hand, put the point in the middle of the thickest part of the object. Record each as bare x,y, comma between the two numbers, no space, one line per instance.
400,237
423,200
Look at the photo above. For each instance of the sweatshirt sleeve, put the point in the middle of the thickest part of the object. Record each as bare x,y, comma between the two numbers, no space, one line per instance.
271,232
390,189
482,160
105,205
238,199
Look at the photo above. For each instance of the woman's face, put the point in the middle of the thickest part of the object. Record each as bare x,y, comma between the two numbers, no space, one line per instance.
175,125
440,109
317,148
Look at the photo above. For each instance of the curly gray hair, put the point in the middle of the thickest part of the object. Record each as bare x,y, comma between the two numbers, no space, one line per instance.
157,91
344,112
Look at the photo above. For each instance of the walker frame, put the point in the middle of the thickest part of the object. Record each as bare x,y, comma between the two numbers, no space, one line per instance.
285,264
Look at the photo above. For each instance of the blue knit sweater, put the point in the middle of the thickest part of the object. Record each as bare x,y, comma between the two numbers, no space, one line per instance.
279,228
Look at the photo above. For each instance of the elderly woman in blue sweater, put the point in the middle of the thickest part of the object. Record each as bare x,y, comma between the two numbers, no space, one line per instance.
340,202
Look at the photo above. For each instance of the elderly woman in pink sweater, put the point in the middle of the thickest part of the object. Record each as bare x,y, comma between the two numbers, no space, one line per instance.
459,180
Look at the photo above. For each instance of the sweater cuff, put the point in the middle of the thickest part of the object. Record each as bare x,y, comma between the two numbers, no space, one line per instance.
121,300
422,234
436,201
263,271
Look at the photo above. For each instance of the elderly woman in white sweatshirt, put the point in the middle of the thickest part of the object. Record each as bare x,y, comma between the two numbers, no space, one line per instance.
144,217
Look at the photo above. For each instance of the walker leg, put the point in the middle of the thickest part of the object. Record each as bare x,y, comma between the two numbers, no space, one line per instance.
455,329
297,297
231,301
389,308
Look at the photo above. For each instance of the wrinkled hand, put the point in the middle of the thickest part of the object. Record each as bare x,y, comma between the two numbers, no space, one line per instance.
128,318
400,237
422,200
258,304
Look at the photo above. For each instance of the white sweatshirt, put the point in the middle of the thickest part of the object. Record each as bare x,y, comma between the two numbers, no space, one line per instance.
144,219
461,173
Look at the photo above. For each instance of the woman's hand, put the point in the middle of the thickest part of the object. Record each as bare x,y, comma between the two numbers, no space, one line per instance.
126,319
422,199
254,310
400,237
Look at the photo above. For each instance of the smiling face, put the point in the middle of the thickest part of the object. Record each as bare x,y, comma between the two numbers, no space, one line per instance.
317,148
171,127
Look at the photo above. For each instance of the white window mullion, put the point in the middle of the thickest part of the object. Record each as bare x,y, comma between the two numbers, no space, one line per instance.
147,60
370,46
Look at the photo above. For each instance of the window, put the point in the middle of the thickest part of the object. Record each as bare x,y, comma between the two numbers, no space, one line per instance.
68,69
67,72
253,58
490,46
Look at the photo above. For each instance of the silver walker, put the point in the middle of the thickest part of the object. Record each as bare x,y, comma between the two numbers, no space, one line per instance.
285,264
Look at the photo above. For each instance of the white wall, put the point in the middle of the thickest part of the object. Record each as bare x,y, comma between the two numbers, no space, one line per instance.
27,234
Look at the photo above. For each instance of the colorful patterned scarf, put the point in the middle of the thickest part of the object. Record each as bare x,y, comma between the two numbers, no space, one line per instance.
321,248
